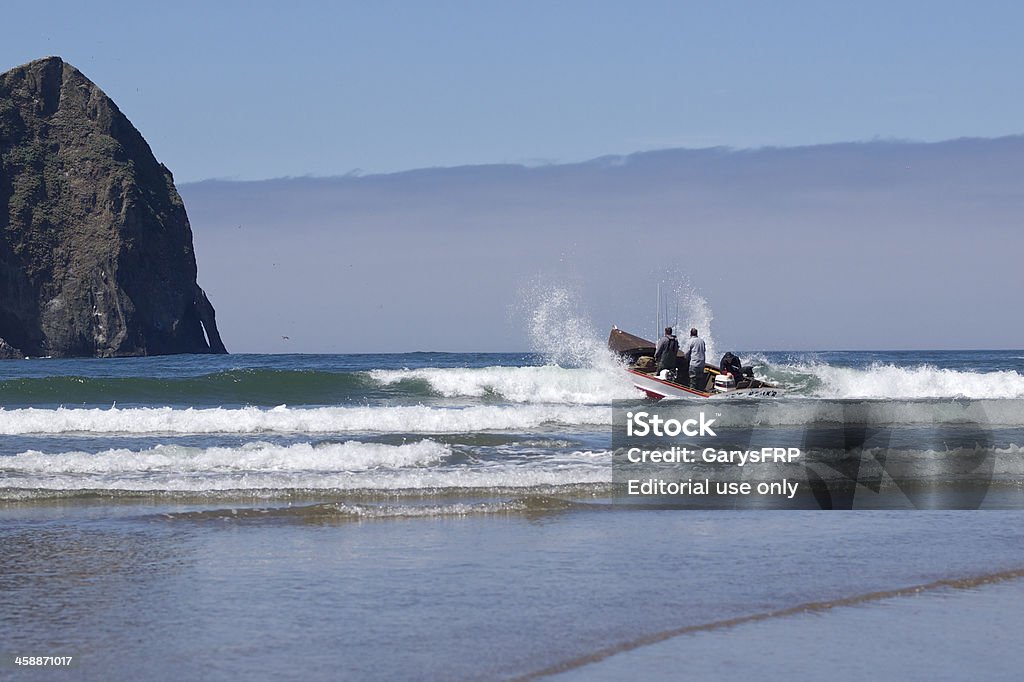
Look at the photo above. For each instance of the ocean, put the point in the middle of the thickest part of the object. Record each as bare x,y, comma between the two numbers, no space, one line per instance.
452,516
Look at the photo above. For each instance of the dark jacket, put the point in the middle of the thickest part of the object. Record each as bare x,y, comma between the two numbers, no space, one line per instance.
665,352
731,364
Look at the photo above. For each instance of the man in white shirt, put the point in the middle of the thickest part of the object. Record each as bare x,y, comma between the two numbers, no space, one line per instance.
694,351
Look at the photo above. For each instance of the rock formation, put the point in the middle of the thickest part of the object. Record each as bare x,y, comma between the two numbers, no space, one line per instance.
96,255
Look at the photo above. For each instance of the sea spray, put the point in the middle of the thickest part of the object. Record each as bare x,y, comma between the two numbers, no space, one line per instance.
689,309
560,329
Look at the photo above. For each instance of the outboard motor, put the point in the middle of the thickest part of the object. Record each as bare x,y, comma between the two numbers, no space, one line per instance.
724,382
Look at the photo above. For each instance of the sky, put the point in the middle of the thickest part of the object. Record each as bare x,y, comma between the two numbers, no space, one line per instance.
903,242
255,90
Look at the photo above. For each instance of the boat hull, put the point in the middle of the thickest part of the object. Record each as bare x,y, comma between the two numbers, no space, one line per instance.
658,389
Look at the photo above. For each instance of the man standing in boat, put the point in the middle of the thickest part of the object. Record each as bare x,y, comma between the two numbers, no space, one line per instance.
665,354
693,351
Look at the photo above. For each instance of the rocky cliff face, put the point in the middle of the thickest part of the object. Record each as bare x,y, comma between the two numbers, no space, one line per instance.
96,254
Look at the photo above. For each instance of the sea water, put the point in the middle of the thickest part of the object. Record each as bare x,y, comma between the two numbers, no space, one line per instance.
438,516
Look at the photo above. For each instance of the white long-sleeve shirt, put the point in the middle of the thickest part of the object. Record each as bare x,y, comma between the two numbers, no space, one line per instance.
693,348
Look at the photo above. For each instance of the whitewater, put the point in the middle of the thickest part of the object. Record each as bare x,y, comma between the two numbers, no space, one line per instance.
429,421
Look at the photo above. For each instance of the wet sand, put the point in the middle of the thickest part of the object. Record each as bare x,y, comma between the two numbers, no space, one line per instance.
939,632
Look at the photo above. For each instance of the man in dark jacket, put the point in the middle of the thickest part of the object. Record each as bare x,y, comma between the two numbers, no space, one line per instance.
732,365
665,353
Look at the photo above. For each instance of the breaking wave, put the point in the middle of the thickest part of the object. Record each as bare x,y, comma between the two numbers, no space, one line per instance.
888,381
283,419
351,465
546,384
251,457
267,388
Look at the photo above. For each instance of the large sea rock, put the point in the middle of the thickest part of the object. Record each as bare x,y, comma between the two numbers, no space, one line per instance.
96,255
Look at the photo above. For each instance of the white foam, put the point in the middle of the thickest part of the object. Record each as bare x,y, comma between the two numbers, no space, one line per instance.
923,381
264,466
546,384
259,456
282,419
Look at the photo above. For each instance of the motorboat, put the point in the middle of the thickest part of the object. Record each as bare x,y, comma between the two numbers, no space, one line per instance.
638,355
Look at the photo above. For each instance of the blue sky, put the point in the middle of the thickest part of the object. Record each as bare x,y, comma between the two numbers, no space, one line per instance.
855,246
250,90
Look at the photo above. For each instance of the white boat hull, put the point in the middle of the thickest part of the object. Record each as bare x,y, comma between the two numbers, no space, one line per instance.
659,388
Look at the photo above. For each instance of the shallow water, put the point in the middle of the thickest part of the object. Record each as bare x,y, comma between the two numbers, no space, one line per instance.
163,589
